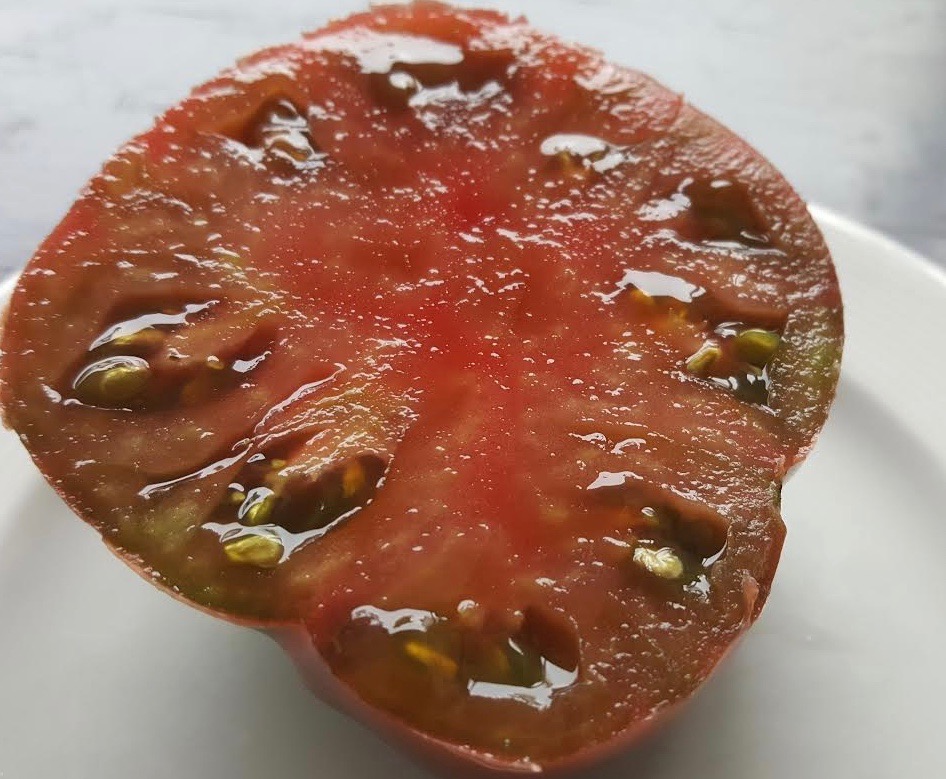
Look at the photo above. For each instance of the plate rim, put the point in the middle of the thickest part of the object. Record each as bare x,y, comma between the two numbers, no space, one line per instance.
860,231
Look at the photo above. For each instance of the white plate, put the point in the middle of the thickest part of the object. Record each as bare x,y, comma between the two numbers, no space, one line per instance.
103,677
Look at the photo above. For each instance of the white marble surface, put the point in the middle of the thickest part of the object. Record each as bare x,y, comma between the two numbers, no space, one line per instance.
847,97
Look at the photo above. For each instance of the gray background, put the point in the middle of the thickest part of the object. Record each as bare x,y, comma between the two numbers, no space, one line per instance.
847,97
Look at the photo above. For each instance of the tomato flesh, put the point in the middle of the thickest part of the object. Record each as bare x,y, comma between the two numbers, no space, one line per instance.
477,358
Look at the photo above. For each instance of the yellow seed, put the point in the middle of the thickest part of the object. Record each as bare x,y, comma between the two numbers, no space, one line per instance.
496,664
642,298
259,512
147,339
660,562
353,479
278,465
572,164
294,145
215,363
261,551
121,383
703,360
237,497
436,661
756,346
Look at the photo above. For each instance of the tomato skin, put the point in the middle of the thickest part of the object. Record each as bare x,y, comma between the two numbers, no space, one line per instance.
422,328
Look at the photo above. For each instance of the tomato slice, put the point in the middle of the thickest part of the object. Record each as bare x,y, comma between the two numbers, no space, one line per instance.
467,363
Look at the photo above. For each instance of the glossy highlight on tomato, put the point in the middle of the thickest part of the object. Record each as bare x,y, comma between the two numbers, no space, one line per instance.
467,364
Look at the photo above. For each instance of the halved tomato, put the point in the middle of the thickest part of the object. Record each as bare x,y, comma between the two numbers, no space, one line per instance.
465,362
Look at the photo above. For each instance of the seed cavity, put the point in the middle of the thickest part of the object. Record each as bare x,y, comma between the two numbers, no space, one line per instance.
273,507
270,492
660,535
721,210
737,359
309,502
522,656
159,360
280,132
